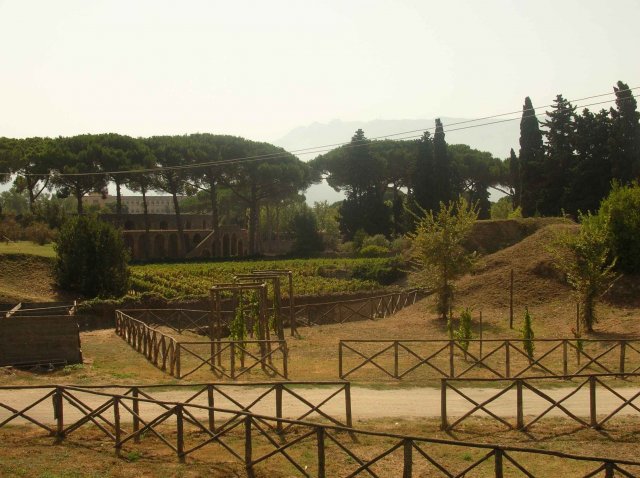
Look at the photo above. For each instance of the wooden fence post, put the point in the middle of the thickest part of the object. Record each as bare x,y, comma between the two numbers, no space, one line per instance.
609,469
408,458
285,359
622,355
443,404
180,432
232,348
247,447
340,374
498,462
395,360
58,413
565,358
592,401
211,404
511,300
507,359
321,456
480,335
278,387
452,371
116,424
177,352
519,406
136,412
347,404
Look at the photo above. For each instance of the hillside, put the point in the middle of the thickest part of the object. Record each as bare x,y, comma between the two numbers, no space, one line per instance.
26,278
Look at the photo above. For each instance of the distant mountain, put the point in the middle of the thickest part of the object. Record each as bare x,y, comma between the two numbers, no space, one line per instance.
496,138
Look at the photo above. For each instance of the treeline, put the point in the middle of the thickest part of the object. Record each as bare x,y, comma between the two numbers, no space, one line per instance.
565,164
388,182
176,165
568,162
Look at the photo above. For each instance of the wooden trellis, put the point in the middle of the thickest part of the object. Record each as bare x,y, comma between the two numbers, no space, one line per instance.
275,309
289,275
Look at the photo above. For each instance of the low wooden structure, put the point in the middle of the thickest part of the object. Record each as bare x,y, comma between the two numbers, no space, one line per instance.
39,335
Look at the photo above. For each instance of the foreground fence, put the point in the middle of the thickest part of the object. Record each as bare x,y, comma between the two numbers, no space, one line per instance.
495,358
580,403
225,359
314,449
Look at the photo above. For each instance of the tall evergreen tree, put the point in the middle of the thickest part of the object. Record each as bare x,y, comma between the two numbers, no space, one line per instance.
515,178
442,166
530,159
424,189
625,138
559,156
590,178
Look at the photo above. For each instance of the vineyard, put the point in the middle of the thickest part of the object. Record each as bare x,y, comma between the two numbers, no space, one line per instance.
311,276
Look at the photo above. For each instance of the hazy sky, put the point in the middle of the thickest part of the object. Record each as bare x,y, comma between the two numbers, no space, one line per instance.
258,69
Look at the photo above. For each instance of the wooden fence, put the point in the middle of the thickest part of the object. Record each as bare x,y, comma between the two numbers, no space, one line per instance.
365,308
516,391
315,449
495,358
230,359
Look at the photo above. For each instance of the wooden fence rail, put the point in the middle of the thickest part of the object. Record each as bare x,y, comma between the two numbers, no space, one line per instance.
247,441
225,359
515,392
494,358
365,308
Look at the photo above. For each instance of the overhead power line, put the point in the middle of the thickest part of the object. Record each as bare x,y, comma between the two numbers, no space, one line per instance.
405,135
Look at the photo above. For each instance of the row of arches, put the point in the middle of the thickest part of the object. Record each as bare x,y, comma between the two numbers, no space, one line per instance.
160,245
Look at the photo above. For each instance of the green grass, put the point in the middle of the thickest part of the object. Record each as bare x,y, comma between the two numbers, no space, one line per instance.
27,247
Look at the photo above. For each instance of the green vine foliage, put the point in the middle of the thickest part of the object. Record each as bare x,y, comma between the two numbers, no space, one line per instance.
528,335
464,333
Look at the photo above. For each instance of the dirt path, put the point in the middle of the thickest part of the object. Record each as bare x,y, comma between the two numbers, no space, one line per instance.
366,403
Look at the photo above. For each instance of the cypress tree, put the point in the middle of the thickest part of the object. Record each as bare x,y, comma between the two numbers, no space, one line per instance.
442,168
530,159
625,138
424,189
559,158
515,178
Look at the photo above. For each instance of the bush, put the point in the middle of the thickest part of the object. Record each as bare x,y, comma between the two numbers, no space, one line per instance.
10,229
91,258
383,272
308,240
464,333
378,240
621,212
39,233
373,251
400,244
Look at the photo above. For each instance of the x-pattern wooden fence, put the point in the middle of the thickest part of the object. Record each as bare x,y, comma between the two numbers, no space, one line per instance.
178,320
514,390
179,427
225,359
366,308
497,358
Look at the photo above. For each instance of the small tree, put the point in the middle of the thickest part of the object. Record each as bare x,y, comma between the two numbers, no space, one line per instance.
585,260
437,254
528,335
91,258
464,333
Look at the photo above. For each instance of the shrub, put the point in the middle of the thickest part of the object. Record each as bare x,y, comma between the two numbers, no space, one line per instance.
91,258
377,240
528,335
39,233
10,229
308,240
383,272
400,244
373,251
464,333
621,210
